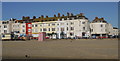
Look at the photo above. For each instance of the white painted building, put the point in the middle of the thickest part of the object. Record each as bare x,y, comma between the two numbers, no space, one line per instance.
22,29
73,26
6,26
110,29
100,27
115,31
69,26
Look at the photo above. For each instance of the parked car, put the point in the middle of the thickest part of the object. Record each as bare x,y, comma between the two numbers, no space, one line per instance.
102,37
46,37
34,38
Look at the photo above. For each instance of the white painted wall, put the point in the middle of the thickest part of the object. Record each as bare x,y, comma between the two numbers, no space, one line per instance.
77,25
22,27
97,29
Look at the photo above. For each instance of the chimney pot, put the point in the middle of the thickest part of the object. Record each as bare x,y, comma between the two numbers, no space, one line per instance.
58,14
42,16
96,17
81,14
23,17
68,13
46,16
34,17
102,18
54,15
71,14
28,17
63,15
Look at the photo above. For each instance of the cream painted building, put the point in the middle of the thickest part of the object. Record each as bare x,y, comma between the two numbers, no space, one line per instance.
110,29
15,27
75,26
115,31
70,25
22,29
100,27
6,26
49,27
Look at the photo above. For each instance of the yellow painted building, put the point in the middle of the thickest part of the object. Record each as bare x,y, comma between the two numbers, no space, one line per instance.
48,27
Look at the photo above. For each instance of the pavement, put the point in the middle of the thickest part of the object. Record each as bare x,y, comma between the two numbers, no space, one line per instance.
61,49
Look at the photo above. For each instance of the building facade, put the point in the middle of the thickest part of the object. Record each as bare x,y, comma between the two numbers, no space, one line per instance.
115,31
29,29
73,27
6,26
22,29
69,26
100,28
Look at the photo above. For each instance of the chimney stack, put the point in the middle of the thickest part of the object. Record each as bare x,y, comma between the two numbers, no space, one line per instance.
71,14
102,18
58,14
63,15
81,14
68,13
38,17
42,16
54,15
96,17
23,17
46,16
28,17
34,17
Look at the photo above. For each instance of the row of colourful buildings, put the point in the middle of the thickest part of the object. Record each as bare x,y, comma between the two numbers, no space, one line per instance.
59,26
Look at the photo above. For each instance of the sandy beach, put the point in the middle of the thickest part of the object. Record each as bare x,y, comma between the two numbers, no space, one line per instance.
61,49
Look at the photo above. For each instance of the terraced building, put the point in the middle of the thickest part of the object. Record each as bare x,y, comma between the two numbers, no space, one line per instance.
63,26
